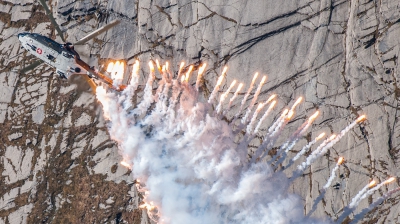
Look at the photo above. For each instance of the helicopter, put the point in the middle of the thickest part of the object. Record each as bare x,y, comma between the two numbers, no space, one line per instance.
63,57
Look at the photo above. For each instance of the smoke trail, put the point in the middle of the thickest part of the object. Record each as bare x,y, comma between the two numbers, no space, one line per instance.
265,116
268,137
321,195
287,146
333,140
129,91
190,166
199,75
180,70
247,94
224,95
249,128
234,96
187,76
355,200
379,201
216,88
148,95
323,190
304,150
316,154
360,196
372,190
253,101
308,146
333,173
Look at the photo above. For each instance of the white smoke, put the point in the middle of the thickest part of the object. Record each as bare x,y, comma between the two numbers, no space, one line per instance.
193,167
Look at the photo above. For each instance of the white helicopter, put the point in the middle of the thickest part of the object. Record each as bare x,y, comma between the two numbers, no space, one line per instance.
63,57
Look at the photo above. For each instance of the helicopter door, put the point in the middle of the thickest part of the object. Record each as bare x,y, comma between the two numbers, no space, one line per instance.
52,55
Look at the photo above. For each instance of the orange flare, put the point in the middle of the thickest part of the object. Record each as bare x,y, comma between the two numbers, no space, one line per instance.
182,78
158,65
163,69
320,136
220,80
254,78
260,106
233,83
151,65
166,65
135,68
188,73
285,112
389,180
224,70
202,68
264,78
125,164
340,161
115,69
290,114
239,87
372,183
332,137
272,104
121,71
110,67
297,102
181,66
271,98
361,118
314,116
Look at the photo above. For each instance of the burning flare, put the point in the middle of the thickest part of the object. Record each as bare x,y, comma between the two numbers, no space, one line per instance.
320,136
199,75
313,117
188,73
298,101
180,70
110,67
224,95
247,93
158,65
389,180
216,88
271,106
361,118
271,98
235,95
372,183
151,66
125,164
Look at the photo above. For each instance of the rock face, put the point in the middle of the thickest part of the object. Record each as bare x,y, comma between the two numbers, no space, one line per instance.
59,165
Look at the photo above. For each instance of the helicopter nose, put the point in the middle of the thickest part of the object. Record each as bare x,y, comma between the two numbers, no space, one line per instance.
21,35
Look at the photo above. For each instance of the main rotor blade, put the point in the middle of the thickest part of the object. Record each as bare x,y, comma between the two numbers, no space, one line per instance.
52,20
97,32
31,66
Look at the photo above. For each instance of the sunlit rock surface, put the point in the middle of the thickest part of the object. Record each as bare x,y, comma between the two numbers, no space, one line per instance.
58,164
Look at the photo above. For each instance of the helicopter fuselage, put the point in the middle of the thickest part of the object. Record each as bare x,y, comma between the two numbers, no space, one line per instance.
63,57
60,56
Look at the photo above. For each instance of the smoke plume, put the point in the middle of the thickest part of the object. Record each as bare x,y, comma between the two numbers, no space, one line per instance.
189,164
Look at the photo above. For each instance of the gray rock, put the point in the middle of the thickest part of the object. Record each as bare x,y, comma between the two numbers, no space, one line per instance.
342,56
